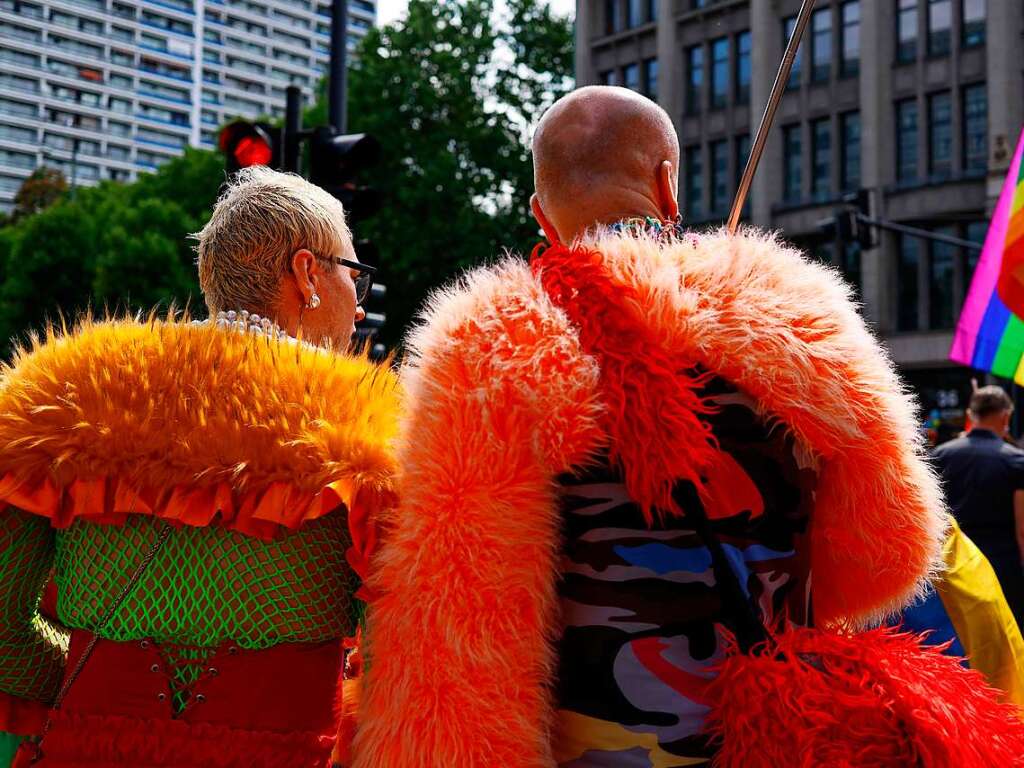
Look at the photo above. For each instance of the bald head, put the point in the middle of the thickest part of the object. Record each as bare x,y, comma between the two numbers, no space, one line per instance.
601,154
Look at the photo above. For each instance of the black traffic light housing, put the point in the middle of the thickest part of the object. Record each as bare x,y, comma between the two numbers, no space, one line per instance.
246,143
335,160
851,222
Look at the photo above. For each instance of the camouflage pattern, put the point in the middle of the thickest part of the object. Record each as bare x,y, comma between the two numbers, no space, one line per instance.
641,612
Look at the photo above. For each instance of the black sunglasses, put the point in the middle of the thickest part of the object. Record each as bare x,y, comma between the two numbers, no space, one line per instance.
363,281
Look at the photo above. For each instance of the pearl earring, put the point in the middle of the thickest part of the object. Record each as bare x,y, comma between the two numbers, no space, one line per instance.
314,301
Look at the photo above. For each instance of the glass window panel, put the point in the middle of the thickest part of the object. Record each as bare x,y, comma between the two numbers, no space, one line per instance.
908,267
906,30
694,78
743,43
791,148
631,76
633,16
787,32
975,124
850,264
742,155
906,141
719,177
941,270
940,135
609,77
851,39
719,72
940,22
651,78
973,28
821,147
612,16
850,126
821,44
694,183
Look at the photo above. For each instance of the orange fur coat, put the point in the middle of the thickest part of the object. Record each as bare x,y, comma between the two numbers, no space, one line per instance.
502,399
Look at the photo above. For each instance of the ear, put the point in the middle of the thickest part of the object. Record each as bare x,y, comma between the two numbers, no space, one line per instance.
538,213
667,199
305,269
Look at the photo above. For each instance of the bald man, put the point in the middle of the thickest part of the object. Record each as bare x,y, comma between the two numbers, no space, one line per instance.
613,452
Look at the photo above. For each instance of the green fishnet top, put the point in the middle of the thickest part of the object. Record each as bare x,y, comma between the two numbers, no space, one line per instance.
206,586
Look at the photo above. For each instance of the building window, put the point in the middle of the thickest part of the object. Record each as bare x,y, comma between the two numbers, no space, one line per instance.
694,183
631,76
941,274
821,152
975,129
975,231
694,78
612,16
940,21
788,25
850,44
742,156
609,77
719,177
906,30
651,79
633,18
973,29
743,68
906,141
940,135
652,10
908,270
719,72
821,45
791,179
849,125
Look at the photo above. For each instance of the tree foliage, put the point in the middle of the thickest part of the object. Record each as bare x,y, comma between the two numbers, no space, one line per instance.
114,246
44,187
451,92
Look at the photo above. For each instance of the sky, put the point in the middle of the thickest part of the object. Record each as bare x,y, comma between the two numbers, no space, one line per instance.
388,10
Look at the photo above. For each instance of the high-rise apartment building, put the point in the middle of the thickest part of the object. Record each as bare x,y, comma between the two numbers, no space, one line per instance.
920,102
136,81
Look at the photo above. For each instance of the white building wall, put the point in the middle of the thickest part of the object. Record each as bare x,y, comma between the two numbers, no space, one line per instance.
135,81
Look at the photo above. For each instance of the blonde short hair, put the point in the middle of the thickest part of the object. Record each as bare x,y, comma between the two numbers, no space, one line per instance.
261,219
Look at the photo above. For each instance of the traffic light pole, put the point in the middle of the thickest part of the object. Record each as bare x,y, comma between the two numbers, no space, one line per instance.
292,129
338,85
925,234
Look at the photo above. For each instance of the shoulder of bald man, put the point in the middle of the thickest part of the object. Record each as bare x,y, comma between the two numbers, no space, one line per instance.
493,340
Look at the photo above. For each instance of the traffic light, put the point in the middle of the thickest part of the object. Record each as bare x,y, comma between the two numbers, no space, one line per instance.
245,144
334,162
860,209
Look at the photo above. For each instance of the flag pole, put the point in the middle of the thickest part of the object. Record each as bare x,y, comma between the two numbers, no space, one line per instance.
778,88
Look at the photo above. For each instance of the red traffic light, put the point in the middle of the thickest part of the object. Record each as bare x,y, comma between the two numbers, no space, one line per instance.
246,144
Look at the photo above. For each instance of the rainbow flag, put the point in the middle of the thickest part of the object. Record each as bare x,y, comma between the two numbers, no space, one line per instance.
990,333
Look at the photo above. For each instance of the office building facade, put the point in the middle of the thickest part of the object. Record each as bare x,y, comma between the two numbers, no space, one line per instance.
136,81
919,102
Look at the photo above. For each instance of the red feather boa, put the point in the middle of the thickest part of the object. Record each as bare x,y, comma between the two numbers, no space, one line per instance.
653,409
876,698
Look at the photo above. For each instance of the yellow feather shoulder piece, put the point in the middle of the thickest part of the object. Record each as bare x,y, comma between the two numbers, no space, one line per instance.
192,422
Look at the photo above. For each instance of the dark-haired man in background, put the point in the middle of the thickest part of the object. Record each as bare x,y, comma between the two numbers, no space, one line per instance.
984,481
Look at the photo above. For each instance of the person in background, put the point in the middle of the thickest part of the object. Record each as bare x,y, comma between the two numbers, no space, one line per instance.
983,477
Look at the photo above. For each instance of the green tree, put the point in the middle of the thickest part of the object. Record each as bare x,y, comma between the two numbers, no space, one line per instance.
44,187
117,246
451,92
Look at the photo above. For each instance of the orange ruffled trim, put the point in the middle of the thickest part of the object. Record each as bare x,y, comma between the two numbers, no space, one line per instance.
260,514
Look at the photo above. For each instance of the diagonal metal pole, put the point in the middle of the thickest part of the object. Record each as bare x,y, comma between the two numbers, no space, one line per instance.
778,88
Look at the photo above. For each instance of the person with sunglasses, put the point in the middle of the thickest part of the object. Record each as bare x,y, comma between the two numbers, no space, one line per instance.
205,494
